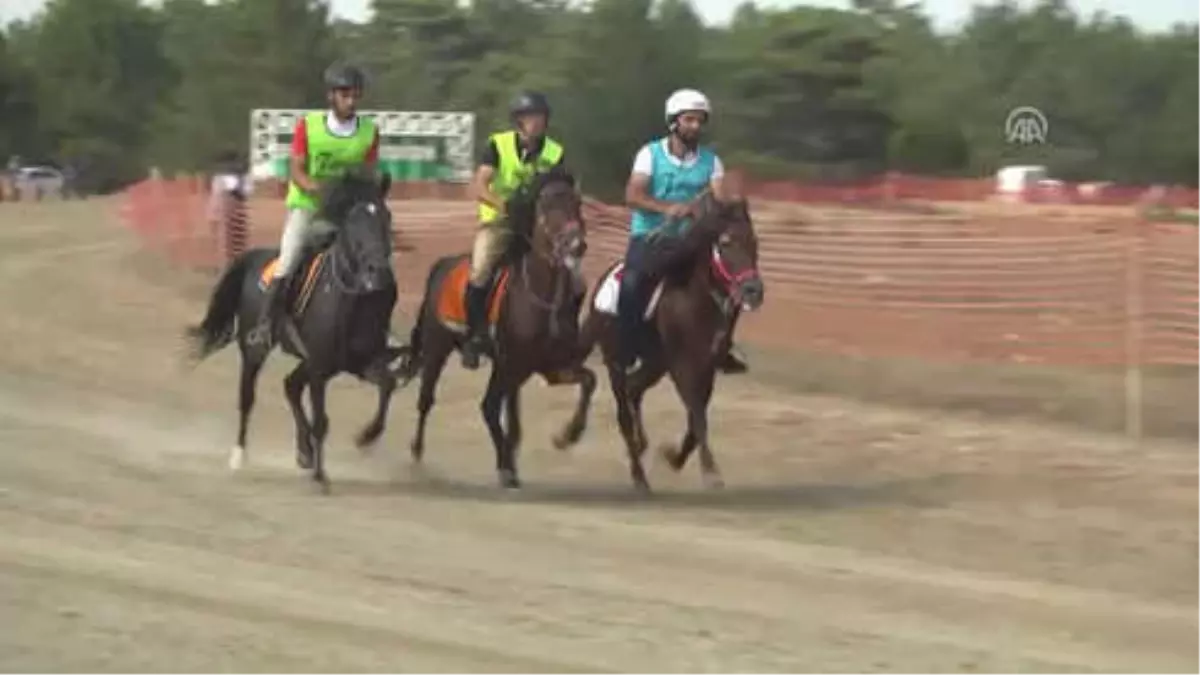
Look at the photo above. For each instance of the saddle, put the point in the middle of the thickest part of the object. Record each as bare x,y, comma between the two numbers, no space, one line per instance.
451,297
301,284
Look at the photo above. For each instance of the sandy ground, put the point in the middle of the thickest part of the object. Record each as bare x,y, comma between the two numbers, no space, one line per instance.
850,538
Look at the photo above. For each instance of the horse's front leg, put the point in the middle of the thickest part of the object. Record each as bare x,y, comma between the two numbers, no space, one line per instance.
586,379
512,436
381,376
491,407
694,386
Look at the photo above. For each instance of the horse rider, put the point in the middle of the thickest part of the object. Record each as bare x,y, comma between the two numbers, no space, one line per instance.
511,158
668,174
325,144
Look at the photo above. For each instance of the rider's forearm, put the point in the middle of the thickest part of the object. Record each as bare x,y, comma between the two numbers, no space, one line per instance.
647,203
488,197
301,177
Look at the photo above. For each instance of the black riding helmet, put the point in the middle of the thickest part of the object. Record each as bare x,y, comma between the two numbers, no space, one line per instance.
529,102
344,76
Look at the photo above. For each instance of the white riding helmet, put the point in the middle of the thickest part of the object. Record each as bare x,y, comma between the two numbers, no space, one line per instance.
687,100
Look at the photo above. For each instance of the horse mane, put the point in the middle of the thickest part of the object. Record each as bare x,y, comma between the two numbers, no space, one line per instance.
352,187
713,217
522,206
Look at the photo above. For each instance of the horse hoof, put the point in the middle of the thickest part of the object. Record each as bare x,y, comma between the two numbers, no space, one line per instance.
713,481
322,484
642,487
670,455
560,441
366,439
417,450
509,480
303,460
237,458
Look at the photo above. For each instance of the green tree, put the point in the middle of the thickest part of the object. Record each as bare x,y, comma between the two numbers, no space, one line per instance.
18,107
100,72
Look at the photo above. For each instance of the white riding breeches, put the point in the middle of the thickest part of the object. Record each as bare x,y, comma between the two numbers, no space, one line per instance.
300,226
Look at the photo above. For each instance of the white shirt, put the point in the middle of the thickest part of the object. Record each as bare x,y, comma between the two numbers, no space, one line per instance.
224,184
340,128
643,163
229,182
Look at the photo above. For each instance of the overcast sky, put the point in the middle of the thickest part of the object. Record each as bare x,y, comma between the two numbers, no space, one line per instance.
1149,14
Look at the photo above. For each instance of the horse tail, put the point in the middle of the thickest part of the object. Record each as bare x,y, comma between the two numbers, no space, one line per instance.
216,330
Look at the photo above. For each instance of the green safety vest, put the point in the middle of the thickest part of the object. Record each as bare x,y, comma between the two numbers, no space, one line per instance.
512,172
329,156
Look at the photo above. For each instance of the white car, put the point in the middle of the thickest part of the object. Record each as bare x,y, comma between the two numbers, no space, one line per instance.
35,182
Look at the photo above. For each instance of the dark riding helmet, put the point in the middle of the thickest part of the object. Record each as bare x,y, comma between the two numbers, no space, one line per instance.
528,102
344,76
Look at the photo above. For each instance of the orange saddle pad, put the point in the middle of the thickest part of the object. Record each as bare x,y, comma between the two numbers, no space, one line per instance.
310,278
451,296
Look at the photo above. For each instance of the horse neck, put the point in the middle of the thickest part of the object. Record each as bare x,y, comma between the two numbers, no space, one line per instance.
539,271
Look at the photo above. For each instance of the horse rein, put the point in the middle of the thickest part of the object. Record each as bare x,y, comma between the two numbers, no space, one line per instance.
567,236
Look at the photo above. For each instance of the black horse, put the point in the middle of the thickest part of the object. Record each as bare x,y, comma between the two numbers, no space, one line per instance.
340,304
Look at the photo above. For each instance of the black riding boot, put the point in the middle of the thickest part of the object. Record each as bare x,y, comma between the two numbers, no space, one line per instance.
629,324
730,364
476,342
272,311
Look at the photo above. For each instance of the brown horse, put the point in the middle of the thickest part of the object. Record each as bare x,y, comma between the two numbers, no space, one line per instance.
707,275
533,314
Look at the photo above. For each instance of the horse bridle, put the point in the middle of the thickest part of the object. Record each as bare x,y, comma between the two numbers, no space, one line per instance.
559,246
339,265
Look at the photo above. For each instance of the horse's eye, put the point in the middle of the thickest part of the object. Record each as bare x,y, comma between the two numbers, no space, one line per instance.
725,239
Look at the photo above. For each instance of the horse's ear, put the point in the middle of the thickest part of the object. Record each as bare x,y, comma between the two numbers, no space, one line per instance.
385,185
732,187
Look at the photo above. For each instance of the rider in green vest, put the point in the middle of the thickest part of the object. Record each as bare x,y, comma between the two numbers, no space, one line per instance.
510,159
325,145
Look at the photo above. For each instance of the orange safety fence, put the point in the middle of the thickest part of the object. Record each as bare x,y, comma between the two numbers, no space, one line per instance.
895,187
1086,291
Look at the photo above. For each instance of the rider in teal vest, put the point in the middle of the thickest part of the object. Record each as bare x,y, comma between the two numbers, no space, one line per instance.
668,174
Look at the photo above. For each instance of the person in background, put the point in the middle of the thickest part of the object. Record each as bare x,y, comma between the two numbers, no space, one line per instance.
227,213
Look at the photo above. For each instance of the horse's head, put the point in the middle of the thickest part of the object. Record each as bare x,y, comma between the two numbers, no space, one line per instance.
734,248
357,204
550,211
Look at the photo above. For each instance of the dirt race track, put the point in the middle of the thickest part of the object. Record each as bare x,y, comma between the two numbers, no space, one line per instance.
849,538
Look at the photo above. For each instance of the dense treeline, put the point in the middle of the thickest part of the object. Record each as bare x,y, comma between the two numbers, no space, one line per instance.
114,86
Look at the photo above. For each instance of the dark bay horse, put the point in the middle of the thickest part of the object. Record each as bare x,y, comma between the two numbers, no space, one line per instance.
340,306
532,314
708,274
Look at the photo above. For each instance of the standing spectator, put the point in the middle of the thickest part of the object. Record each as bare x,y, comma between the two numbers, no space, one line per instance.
227,210
70,180
8,179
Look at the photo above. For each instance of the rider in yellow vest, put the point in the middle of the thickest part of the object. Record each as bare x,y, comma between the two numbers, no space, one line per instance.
510,159
325,145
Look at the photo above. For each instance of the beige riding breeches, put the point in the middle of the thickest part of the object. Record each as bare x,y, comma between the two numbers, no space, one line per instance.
491,241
